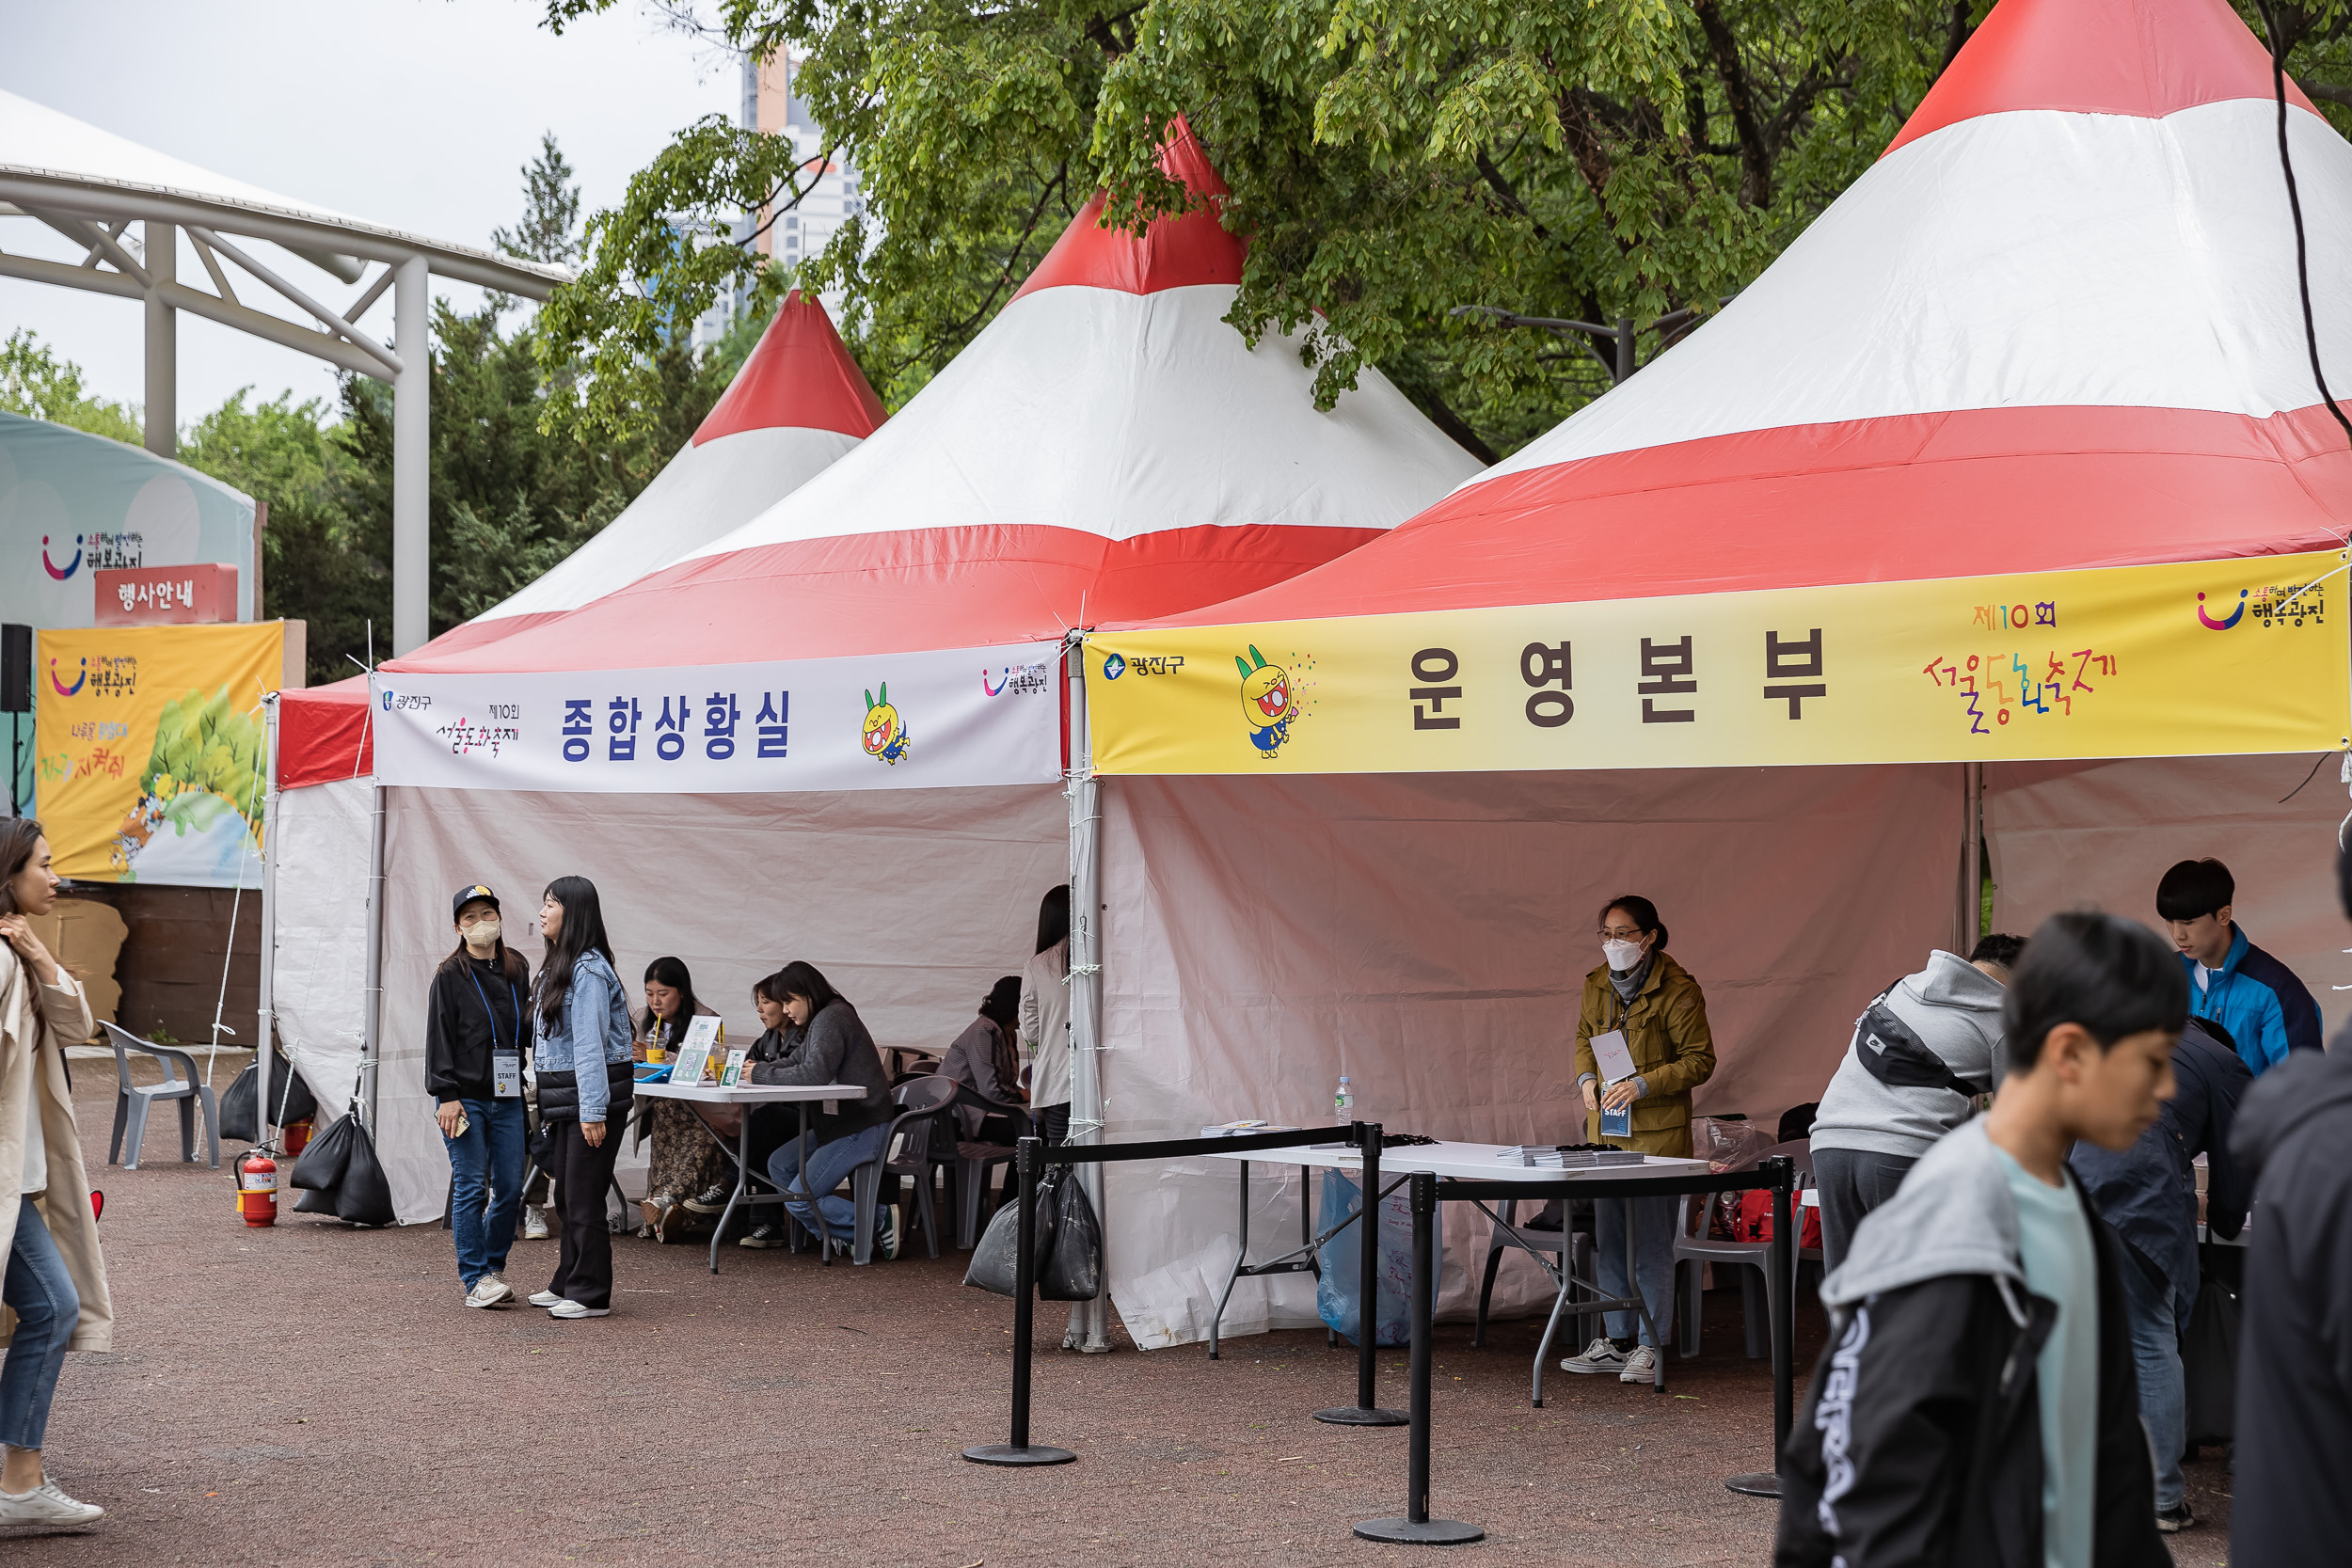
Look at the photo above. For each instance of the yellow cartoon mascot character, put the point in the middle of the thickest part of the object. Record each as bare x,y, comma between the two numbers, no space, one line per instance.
1265,701
885,733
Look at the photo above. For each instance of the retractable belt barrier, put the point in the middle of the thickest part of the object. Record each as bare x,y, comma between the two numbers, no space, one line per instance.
1030,1155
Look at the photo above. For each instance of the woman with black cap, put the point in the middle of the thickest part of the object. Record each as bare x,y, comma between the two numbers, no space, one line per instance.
475,1023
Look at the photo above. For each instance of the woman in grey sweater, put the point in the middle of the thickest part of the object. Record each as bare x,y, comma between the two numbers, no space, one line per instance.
826,1042
1921,1053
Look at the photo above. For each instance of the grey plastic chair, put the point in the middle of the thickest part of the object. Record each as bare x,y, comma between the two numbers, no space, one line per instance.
1754,1259
924,1102
132,1100
912,1124
973,1163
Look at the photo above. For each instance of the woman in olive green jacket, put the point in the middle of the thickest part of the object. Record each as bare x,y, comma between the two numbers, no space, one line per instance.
1643,993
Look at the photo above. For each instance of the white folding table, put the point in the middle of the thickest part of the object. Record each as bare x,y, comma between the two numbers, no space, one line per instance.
747,1096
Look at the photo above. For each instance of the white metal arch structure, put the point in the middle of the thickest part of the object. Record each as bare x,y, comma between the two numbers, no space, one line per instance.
92,185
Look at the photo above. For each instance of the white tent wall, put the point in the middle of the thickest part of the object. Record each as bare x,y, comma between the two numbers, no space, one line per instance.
2067,834
319,849
912,902
1429,935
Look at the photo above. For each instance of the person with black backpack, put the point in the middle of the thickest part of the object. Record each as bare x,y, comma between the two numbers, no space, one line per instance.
474,1024
1922,1051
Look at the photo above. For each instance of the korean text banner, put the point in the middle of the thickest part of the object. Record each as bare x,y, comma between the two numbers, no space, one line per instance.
983,715
2221,657
151,746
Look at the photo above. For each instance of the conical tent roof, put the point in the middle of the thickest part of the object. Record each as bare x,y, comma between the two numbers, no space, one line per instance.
2056,325
797,405
1107,447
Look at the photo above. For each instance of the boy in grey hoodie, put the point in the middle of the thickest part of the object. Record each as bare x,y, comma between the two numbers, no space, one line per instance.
1977,1404
1922,1051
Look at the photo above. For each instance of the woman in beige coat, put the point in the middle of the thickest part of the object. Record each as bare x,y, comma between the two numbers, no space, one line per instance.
55,1285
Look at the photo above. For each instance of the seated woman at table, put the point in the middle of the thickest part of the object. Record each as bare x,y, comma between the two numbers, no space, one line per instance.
1641,994
687,1173
824,1041
983,1059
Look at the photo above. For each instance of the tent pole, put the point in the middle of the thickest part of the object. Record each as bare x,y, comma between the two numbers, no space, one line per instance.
372,1004
262,1055
1971,924
1086,981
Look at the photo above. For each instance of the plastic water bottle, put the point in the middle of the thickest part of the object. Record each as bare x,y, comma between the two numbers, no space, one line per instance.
1342,1100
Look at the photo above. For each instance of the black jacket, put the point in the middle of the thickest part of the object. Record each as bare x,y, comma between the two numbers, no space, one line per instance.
2148,1192
469,1004
1920,1439
2292,1504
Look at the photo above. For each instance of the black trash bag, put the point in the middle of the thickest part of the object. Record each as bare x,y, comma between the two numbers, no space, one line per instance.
1072,1271
356,1191
321,1164
291,1101
2209,1364
992,1260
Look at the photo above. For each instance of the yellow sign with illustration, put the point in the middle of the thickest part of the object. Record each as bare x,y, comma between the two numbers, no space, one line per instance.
152,750
2176,660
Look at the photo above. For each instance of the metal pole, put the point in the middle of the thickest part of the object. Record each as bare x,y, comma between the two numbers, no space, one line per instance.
1780,1289
1625,348
1364,1413
263,1104
1416,1526
412,456
1090,1322
1019,1450
372,1004
163,348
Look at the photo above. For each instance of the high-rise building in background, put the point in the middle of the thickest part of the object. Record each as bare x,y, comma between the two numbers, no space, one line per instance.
768,104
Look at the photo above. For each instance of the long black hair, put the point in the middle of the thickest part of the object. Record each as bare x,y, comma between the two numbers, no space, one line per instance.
1053,917
511,964
1645,915
1002,1005
801,978
19,835
672,972
582,931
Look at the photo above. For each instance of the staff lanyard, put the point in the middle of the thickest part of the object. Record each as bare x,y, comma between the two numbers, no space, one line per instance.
512,995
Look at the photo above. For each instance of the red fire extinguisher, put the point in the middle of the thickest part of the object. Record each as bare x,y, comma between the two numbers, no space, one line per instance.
257,1189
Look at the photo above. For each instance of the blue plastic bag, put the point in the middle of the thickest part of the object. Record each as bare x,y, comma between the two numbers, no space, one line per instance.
1337,1293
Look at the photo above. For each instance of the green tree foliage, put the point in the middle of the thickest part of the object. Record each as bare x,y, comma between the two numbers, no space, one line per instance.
34,382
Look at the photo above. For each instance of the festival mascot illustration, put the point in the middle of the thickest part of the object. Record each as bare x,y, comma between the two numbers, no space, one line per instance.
1265,701
885,733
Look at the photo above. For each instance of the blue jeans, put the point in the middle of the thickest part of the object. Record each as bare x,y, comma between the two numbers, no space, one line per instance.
827,1164
487,1165
2149,1305
47,1308
1653,1261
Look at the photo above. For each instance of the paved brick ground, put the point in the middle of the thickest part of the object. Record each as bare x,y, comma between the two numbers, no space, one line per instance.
310,1395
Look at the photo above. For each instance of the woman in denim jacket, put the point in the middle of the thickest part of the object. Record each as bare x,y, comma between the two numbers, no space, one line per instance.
581,1025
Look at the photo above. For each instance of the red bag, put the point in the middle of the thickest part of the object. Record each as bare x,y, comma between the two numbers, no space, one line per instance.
1754,1223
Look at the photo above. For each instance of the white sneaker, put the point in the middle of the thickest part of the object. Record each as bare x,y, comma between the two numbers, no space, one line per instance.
1601,1355
535,1223
45,1504
545,1298
572,1309
489,1290
1641,1367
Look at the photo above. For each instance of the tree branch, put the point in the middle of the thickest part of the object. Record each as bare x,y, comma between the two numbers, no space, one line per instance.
1755,154
2327,90
1501,185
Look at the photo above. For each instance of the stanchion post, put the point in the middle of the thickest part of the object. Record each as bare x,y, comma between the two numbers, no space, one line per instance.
1780,1174
1019,1450
1417,1528
1364,1413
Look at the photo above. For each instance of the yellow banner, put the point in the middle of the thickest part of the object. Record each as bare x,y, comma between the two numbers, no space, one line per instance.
2212,657
150,750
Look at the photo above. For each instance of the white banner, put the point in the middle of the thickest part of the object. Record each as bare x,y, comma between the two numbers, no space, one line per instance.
980,716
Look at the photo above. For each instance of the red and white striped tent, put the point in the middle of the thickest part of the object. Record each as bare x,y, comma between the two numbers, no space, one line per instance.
1107,446
798,404
2034,390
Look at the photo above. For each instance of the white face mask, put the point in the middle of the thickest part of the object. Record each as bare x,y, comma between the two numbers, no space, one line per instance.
483,935
1622,955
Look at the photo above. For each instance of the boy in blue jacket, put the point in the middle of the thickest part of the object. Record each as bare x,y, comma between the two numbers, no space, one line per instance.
2253,996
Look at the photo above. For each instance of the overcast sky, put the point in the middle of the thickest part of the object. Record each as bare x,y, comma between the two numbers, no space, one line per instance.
415,114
